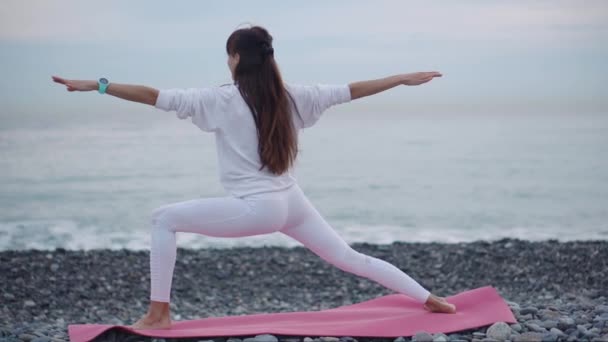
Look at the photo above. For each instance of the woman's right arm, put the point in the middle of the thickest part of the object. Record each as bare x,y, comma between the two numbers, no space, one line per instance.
129,92
371,87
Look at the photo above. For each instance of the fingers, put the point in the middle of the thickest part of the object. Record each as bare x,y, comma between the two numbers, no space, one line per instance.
59,79
65,82
431,74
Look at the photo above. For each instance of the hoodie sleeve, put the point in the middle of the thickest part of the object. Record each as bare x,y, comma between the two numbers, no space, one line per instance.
312,100
198,103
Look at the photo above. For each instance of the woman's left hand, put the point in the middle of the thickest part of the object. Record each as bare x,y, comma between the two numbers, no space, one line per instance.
77,85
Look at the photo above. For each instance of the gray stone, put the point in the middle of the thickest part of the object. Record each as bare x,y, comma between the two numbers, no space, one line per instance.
530,336
262,338
234,339
499,331
330,339
308,339
591,333
565,322
348,339
516,327
27,337
600,325
489,339
454,337
548,324
422,336
514,306
603,338
29,303
41,339
535,327
557,332
550,337
529,310
399,339
581,328
266,338
479,334
601,317
439,337
601,308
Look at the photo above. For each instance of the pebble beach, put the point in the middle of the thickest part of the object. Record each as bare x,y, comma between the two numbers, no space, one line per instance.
558,291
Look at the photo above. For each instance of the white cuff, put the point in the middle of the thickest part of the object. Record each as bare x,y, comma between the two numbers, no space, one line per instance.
344,94
163,101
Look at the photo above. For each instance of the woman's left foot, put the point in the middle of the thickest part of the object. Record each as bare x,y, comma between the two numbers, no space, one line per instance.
147,322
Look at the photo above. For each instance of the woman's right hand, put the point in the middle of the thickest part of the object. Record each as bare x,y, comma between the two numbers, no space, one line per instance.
417,78
76,85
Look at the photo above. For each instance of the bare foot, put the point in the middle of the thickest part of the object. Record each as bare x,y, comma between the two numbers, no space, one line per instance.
148,322
439,304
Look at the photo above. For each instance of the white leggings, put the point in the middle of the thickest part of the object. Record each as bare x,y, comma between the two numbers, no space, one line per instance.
288,211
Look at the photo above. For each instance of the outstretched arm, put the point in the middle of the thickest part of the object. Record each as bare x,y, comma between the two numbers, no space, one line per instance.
136,93
371,87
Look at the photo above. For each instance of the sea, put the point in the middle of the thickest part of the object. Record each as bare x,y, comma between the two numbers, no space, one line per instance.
375,177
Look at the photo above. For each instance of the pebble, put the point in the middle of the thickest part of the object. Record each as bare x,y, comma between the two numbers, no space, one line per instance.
516,327
513,305
535,327
422,336
262,338
548,304
565,322
529,310
499,331
550,337
548,324
342,339
439,337
530,336
330,339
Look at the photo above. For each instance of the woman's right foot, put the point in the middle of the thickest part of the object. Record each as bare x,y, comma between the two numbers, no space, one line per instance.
439,304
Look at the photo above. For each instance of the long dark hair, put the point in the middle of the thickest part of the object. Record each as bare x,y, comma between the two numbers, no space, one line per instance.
259,81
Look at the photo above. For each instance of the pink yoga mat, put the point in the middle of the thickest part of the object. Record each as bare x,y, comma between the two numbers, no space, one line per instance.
392,315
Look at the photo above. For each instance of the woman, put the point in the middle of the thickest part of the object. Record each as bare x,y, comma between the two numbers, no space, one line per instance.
256,122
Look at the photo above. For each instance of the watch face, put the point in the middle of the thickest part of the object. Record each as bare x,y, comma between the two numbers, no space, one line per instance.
103,80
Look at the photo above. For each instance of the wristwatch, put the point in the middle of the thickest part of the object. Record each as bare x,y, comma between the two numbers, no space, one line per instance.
102,84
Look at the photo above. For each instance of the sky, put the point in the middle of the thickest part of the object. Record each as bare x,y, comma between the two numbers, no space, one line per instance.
507,57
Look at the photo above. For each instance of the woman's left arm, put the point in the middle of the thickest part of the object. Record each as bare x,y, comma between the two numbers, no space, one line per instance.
130,92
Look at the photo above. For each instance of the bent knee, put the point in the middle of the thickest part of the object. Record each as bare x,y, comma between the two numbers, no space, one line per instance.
160,216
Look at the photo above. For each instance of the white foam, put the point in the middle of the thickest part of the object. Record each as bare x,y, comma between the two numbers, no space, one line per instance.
47,235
